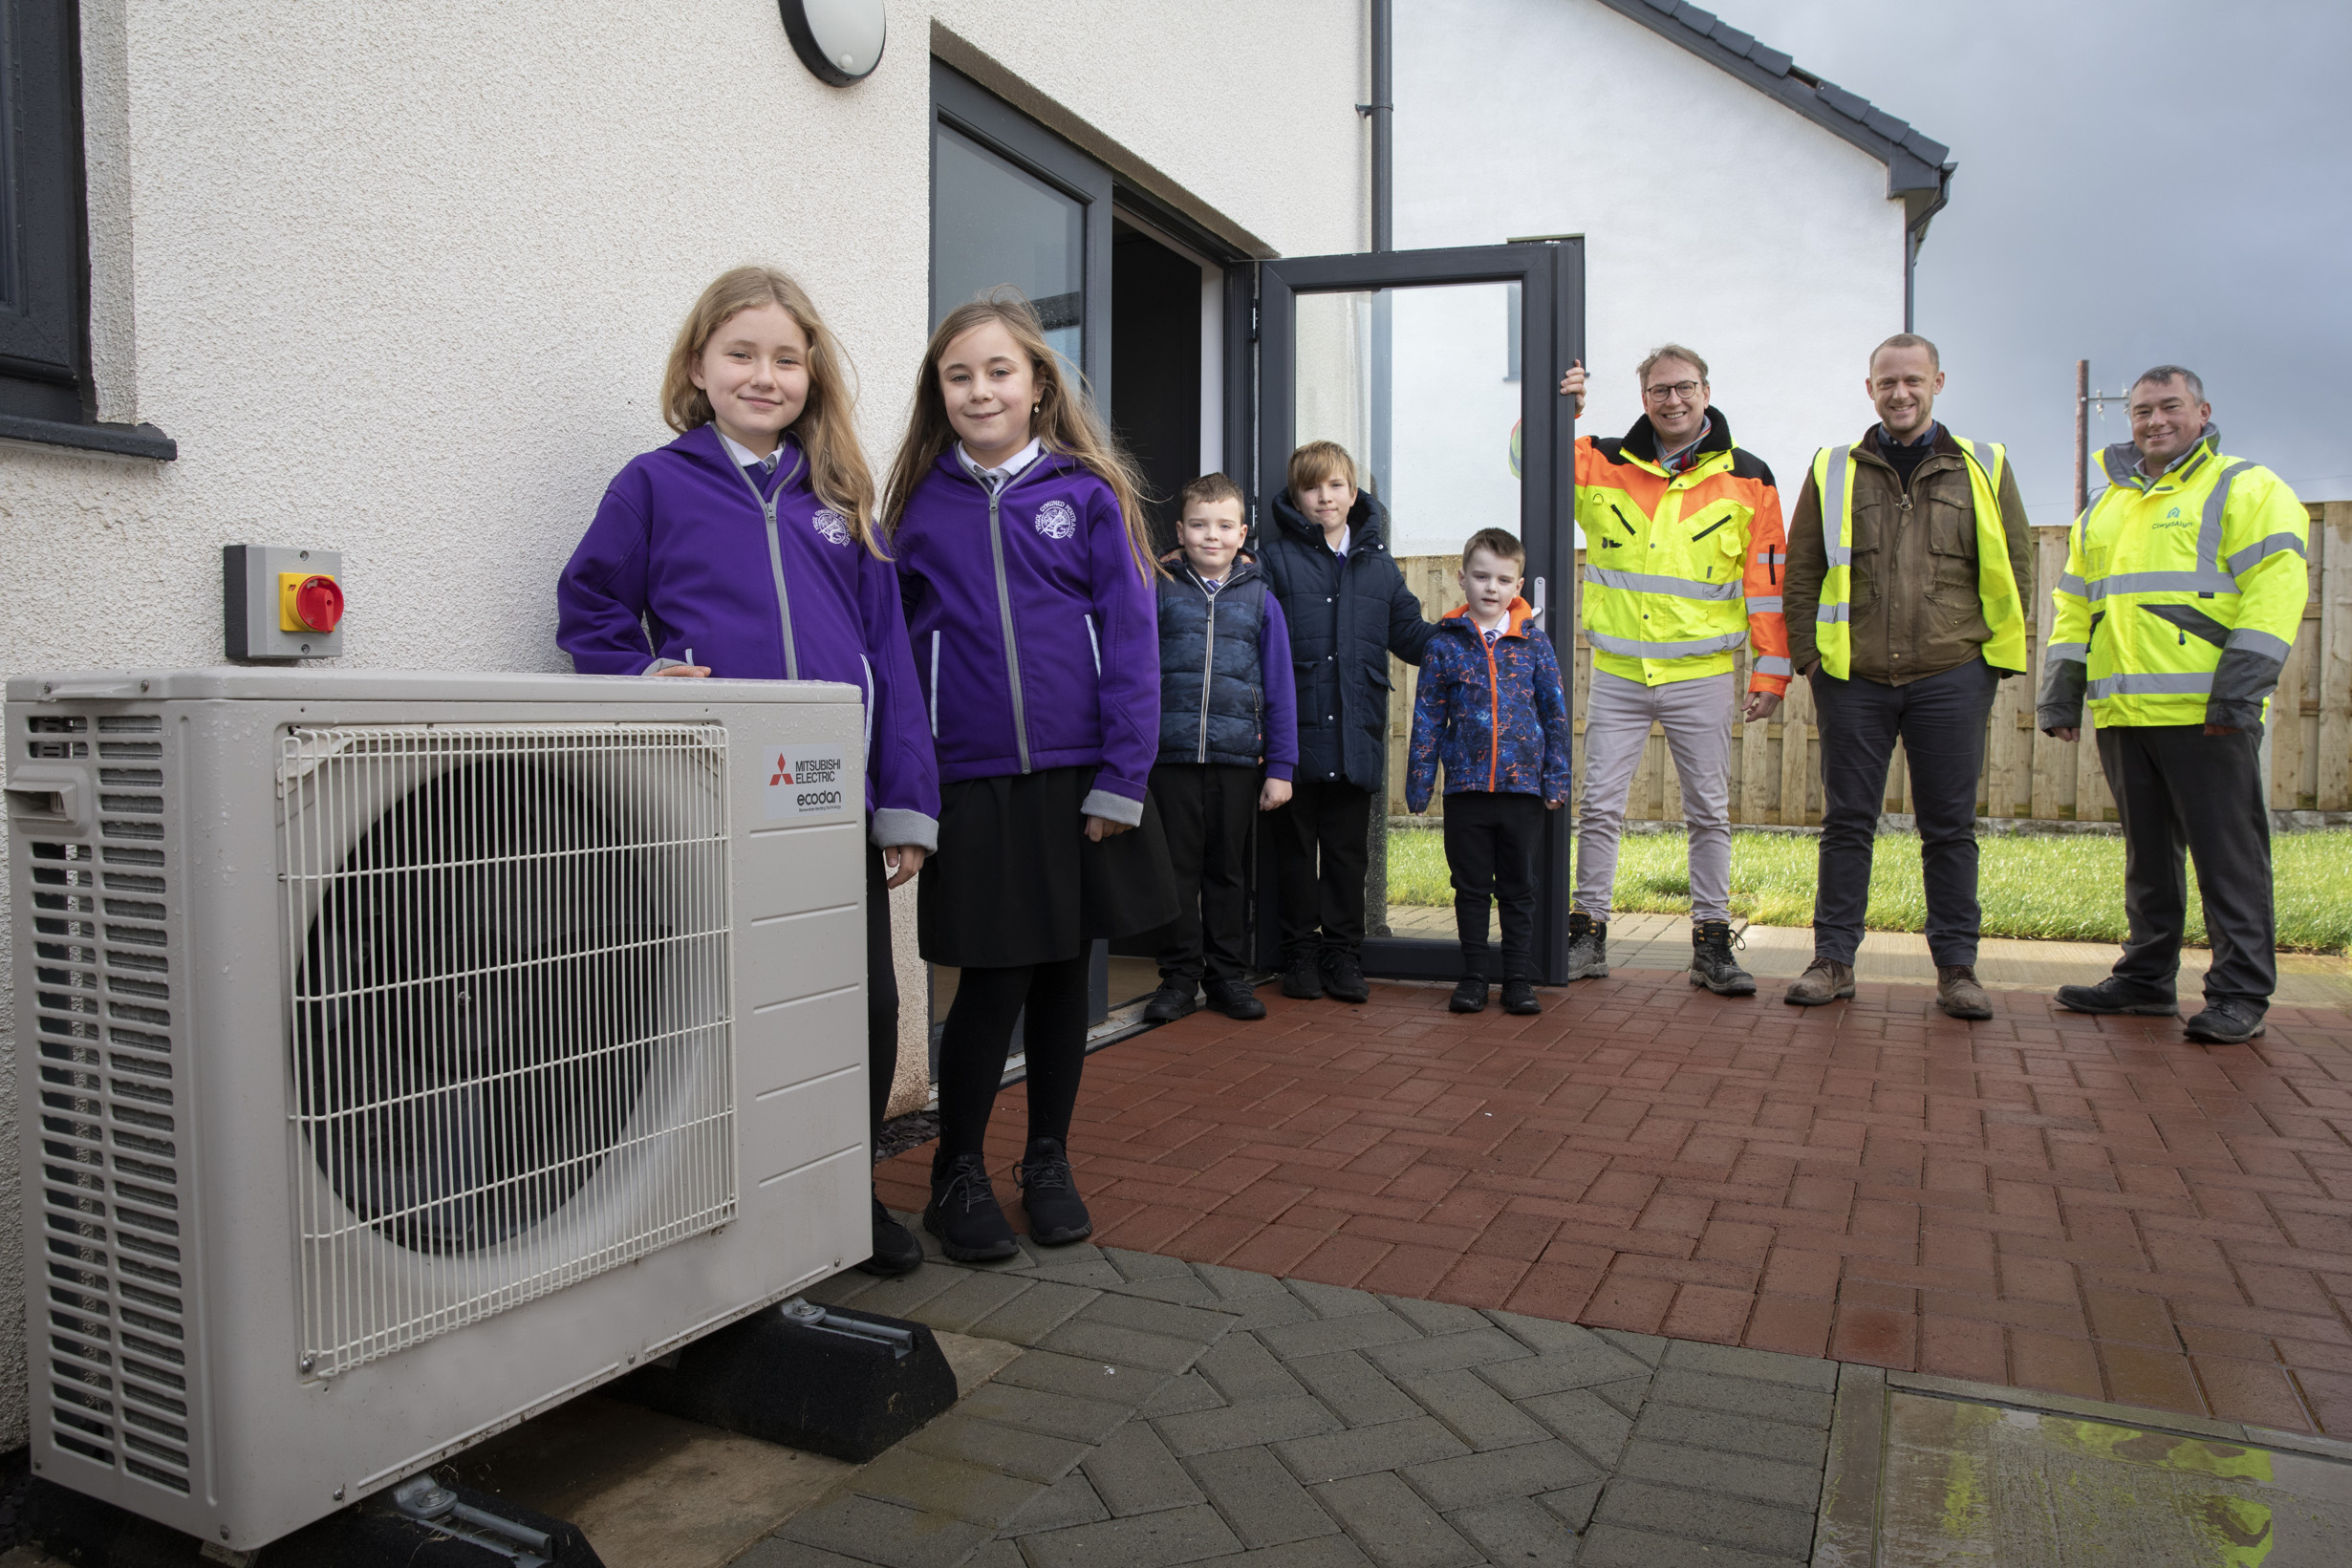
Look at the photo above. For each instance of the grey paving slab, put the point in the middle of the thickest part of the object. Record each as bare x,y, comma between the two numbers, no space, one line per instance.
1069,1501
1172,1320
1134,1472
1355,1331
1095,1275
1238,1284
1244,1370
1327,1551
1733,1362
1242,1426
1357,1393
1627,1396
1334,1300
1033,1314
1255,1312
778,1553
1597,1429
1575,1504
1147,1540
1083,1336
1056,1415
968,1300
983,1495
1484,1345
1579,1366
999,1553
1178,1395
1781,1440
1711,1515
1259,1498
1543,1335
1615,1546
1740,1396
1734,1475
868,1530
1435,1316
902,1296
1472,1410
1649,1348
1523,1471
1012,1449
1139,1266
1184,1290
1393,1526
1082,1377
1517,1531
1363,1449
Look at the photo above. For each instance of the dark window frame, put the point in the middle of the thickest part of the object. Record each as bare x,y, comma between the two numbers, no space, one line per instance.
48,395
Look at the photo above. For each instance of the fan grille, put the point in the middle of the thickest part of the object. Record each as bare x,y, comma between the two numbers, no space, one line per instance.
510,1046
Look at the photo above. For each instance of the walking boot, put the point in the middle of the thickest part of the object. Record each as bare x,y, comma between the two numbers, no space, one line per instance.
894,1251
1235,999
1588,947
963,1212
2226,1021
1303,976
1173,1000
1957,993
1712,964
1343,978
1469,995
1825,981
1519,997
1057,1216
2116,994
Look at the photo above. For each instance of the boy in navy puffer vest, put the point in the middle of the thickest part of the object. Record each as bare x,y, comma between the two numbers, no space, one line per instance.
1226,709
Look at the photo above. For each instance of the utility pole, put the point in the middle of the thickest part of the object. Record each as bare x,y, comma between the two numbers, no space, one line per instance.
2081,435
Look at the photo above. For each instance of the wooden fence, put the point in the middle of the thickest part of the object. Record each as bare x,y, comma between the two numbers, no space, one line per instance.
1776,772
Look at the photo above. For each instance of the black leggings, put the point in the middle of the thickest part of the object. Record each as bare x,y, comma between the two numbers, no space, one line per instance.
881,992
979,1037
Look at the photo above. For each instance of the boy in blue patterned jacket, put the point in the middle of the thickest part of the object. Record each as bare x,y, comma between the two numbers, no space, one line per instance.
1490,706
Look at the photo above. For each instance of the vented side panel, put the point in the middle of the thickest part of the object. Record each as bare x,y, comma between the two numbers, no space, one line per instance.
110,1370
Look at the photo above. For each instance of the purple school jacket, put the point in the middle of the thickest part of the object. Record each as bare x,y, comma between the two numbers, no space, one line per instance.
681,545
1036,639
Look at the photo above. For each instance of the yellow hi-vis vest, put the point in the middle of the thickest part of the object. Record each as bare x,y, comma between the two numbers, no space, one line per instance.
2164,576
1996,584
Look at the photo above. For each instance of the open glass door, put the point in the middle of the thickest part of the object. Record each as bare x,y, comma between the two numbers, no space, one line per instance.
1438,370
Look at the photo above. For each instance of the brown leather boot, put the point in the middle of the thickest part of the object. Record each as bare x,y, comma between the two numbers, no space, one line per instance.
1826,981
1957,993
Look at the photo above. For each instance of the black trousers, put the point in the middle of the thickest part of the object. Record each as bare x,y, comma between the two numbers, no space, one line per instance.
2182,791
1490,847
881,991
1941,722
1205,808
1321,848
977,1040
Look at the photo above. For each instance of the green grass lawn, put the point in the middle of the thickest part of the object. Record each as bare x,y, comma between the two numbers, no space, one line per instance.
2062,887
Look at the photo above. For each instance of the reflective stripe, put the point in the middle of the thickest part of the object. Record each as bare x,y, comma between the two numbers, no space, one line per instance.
1764,604
1833,512
2264,550
2170,684
1770,558
1833,613
1629,648
2069,652
2216,500
1980,450
2069,583
2161,582
935,685
1774,665
2259,642
1097,643
1674,587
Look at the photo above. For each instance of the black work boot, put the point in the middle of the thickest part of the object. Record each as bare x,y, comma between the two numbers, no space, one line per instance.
2227,1022
1049,1196
1303,976
1588,947
894,1251
963,1212
1519,997
2116,994
1469,995
1343,978
1169,1002
1235,998
1712,964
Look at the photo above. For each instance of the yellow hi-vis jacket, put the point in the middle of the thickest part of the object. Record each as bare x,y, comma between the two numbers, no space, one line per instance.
1996,581
2181,596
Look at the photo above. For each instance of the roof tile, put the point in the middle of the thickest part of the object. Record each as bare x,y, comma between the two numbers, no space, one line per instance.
1848,104
1735,40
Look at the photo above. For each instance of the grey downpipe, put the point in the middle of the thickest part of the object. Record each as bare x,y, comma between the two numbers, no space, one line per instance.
1381,111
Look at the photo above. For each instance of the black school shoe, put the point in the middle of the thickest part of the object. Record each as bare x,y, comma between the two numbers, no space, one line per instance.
1469,995
2114,994
1519,997
1173,1000
1303,976
896,1251
963,1212
1049,1196
1235,999
2227,1022
1343,978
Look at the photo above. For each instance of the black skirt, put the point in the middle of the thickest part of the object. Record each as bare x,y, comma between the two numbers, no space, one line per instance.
1016,880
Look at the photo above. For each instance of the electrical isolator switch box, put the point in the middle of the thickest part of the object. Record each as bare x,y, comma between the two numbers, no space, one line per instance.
280,602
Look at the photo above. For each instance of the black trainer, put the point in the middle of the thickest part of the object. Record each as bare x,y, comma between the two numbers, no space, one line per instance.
1169,1002
896,1251
2114,994
1049,1196
1519,997
1588,947
1343,978
1469,995
1235,999
963,1212
1712,964
1303,976
2226,1021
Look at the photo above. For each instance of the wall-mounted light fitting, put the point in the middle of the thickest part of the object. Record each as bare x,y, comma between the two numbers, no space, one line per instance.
839,40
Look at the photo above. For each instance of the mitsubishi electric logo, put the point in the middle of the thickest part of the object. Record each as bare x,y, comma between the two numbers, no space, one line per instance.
804,786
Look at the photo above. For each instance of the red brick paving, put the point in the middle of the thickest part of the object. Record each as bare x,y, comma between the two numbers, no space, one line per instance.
2085,1206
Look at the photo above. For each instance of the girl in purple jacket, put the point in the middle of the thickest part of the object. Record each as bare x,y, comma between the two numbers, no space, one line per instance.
746,548
1028,585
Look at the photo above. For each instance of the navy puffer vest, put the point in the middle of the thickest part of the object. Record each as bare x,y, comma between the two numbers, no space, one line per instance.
1212,693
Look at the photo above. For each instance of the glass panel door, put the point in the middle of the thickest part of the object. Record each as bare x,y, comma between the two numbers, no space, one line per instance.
1418,363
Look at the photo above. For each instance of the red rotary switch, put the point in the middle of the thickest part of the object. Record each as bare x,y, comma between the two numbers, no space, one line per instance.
318,603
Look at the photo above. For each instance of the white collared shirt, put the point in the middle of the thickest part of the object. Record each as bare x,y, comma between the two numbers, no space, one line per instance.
744,457
1346,536
1491,633
996,478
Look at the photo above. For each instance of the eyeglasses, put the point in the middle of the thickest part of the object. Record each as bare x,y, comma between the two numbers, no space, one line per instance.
1675,392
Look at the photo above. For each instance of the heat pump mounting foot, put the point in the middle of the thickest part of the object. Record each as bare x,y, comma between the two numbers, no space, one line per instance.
831,1380
475,1530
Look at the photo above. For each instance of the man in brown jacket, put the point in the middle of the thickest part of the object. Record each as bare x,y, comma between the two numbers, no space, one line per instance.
1913,660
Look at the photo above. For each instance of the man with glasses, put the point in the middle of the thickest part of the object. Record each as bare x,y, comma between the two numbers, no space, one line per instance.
1682,566
2185,586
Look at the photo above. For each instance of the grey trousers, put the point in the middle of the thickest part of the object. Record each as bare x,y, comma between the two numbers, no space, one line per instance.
1696,716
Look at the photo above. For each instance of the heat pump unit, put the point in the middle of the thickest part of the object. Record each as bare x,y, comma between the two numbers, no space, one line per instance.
402,1054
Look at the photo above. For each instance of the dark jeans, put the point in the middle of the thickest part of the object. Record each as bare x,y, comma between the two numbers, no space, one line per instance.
1332,816
978,1038
2180,790
1205,809
881,991
1941,722
1490,847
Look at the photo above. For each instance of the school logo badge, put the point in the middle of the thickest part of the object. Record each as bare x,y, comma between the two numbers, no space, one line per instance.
1056,520
832,524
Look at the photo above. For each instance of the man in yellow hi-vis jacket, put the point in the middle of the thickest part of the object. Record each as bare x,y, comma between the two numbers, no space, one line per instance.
2185,583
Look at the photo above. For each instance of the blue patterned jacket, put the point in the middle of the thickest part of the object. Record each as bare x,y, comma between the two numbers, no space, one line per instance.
1464,686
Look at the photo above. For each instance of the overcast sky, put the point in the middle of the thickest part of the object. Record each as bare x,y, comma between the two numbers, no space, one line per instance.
2140,182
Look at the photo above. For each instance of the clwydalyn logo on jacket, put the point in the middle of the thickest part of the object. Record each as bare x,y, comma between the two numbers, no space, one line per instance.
1056,520
832,524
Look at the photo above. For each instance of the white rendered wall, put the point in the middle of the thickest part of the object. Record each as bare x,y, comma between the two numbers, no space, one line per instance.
1712,214
399,281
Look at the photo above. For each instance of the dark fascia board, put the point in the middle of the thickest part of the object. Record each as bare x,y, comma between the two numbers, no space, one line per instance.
1918,168
122,440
